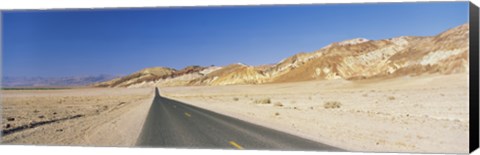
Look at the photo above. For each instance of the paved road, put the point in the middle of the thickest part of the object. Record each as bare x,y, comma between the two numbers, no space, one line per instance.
174,124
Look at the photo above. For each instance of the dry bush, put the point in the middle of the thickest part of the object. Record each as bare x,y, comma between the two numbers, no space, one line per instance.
263,101
391,98
236,99
10,119
277,113
278,104
332,105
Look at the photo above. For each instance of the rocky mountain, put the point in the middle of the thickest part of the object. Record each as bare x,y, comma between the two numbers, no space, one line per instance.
148,74
12,82
232,74
160,76
355,59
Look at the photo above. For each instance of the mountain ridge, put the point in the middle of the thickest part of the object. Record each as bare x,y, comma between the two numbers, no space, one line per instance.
354,59
67,81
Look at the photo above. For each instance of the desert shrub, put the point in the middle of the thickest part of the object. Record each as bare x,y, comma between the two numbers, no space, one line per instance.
235,99
10,119
277,113
263,101
332,105
278,104
391,98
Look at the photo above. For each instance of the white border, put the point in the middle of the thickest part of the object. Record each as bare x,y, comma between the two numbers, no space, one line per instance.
88,4
75,150
63,4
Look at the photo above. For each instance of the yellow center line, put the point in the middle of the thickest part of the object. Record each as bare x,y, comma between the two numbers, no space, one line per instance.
236,145
187,114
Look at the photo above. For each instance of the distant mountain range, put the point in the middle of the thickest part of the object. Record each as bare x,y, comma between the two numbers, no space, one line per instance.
9,82
355,59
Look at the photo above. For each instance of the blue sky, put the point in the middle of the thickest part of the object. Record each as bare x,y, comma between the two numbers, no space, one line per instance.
121,41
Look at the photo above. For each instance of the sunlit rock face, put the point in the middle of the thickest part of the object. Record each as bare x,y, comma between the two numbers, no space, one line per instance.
355,59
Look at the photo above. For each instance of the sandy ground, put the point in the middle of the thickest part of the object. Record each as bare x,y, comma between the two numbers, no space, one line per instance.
87,117
409,114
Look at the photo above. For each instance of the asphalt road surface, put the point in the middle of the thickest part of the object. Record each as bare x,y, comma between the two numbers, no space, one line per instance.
172,124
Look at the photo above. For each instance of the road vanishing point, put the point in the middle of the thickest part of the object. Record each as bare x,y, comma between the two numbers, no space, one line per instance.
173,124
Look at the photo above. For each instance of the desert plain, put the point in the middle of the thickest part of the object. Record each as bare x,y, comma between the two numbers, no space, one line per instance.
82,116
427,113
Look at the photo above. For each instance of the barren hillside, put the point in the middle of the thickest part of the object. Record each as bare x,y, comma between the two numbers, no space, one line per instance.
355,59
